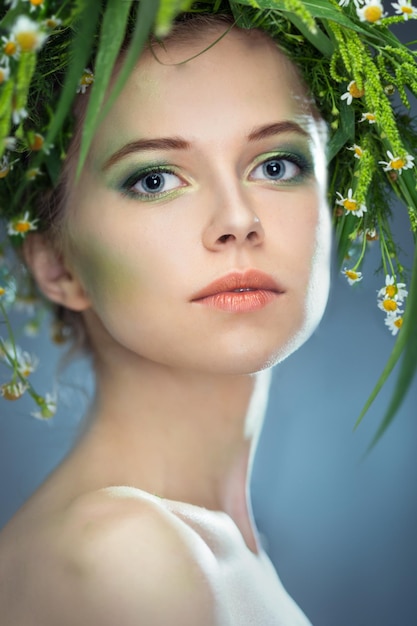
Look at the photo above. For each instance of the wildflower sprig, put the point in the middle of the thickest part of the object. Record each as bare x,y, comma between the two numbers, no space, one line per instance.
21,365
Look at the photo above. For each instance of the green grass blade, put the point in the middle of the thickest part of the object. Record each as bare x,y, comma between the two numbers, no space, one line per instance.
80,52
111,38
408,336
144,22
319,9
407,343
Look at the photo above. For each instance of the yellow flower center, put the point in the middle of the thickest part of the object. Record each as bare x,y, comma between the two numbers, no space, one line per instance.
2,291
22,227
36,3
86,79
352,275
37,142
10,48
391,290
390,305
4,171
399,322
407,9
398,163
354,90
358,151
350,205
369,116
27,40
32,173
372,13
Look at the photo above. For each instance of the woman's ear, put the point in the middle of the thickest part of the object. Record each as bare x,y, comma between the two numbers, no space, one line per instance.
52,276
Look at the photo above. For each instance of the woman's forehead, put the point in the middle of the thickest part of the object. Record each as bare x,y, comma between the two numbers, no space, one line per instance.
241,76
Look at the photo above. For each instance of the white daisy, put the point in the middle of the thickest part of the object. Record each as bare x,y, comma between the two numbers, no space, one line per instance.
405,8
393,289
351,205
397,163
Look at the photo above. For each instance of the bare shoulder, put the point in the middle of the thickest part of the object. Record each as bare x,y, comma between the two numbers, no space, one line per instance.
118,556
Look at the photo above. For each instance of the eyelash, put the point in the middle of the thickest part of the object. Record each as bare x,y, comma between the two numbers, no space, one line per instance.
301,162
304,166
140,175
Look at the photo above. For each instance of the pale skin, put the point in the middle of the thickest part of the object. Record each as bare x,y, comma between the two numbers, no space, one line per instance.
148,521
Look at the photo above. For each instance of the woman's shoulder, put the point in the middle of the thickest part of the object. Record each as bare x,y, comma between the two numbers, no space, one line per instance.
115,555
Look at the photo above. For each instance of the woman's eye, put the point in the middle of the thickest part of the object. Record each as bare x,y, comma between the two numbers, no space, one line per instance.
153,183
276,169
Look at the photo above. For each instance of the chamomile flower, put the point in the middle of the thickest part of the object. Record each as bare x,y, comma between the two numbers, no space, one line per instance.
371,234
345,3
10,47
36,142
35,4
405,8
358,152
47,407
21,225
368,117
397,163
26,363
85,81
13,390
353,91
393,289
7,293
52,22
351,206
28,34
390,306
394,323
4,73
372,11
352,276
33,173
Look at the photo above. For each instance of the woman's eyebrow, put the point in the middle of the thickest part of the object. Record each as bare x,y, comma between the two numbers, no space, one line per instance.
177,143
160,143
276,128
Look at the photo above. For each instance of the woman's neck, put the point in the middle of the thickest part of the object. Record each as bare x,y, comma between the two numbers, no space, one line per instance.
182,436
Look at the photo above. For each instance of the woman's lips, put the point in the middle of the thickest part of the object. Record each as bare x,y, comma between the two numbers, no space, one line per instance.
239,292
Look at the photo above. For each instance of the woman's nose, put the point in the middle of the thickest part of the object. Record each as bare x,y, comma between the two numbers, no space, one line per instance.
234,221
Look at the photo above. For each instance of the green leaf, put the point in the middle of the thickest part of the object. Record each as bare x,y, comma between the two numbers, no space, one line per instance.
111,38
319,9
406,344
168,10
82,44
144,22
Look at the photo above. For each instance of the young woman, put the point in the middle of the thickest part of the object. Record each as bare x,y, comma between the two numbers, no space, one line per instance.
195,247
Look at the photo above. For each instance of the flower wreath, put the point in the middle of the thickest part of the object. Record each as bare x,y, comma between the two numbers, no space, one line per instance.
359,74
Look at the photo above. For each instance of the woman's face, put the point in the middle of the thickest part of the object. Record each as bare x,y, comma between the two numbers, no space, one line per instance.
202,170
